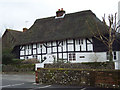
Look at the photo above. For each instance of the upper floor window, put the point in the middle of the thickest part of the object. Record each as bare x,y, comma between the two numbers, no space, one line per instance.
79,41
39,45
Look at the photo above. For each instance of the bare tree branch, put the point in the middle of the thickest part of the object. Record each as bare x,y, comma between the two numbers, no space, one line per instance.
112,30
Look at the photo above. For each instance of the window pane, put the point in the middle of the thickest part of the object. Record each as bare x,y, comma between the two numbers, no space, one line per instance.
81,41
77,42
115,56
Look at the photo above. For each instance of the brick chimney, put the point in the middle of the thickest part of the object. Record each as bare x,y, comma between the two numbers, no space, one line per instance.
24,29
60,12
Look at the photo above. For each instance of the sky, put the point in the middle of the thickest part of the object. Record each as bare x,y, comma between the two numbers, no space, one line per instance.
17,14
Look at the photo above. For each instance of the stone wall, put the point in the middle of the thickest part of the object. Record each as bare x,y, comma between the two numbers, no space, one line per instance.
87,65
78,77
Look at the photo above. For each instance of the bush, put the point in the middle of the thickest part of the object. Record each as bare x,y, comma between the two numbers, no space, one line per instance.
7,56
17,61
18,68
30,61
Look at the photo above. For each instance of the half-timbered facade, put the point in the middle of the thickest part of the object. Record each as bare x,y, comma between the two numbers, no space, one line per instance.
69,50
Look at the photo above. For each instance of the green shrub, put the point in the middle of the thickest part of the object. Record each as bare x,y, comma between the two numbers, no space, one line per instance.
30,61
7,56
18,68
17,61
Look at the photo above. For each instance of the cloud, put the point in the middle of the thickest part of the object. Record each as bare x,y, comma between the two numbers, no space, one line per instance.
14,13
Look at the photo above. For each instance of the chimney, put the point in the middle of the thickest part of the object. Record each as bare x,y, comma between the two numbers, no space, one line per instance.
24,29
60,12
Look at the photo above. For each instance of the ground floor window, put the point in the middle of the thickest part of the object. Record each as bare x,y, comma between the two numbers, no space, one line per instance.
114,55
72,57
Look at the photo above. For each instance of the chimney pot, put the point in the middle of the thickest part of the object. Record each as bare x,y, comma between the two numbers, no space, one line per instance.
24,29
60,12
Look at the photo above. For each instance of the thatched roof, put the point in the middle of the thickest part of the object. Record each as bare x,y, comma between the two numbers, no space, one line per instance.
10,38
16,34
73,25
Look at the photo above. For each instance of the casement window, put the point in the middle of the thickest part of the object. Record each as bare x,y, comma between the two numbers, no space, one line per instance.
114,55
54,44
39,45
21,52
70,45
72,57
79,45
29,47
79,41
35,56
70,48
70,41
34,46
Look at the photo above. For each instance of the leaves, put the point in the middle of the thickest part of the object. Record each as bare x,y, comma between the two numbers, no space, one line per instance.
7,56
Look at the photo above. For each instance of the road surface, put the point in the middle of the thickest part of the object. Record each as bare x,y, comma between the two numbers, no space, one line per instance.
27,82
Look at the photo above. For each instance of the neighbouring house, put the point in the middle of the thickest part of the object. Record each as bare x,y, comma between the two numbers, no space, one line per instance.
10,39
65,37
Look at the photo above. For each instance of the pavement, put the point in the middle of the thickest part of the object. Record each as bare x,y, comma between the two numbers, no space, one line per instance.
27,82
24,81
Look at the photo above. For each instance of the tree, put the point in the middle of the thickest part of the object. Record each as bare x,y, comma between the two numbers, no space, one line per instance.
7,56
111,29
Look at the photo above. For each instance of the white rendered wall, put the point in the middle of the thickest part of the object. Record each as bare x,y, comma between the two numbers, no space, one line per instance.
22,57
90,57
117,62
118,59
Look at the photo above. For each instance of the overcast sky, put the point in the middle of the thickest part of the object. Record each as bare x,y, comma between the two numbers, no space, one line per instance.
17,14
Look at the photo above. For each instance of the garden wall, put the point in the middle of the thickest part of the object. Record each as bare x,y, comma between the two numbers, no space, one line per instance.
79,77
